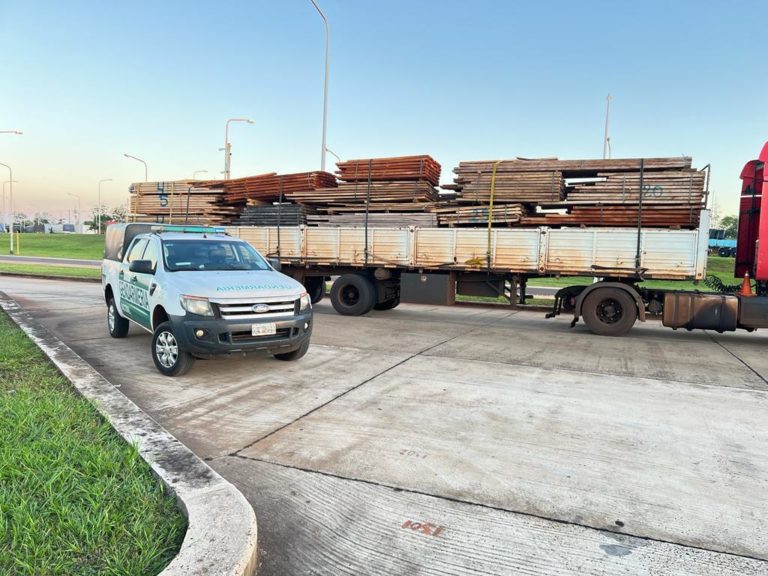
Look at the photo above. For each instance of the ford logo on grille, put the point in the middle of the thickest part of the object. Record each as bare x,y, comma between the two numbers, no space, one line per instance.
260,308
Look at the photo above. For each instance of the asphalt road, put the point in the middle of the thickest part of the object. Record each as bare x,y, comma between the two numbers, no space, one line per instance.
432,440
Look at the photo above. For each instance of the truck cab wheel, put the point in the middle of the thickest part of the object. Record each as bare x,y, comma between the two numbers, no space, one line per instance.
169,358
118,326
609,311
353,295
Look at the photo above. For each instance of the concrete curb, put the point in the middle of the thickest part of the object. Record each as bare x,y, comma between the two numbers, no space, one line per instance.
221,533
43,277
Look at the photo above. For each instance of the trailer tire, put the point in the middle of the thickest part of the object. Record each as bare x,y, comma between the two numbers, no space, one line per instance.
609,311
117,325
387,304
353,295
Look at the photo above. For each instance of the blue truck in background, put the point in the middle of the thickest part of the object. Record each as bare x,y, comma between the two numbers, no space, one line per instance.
720,245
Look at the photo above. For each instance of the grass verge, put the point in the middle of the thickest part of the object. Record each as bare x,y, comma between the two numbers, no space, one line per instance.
75,499
49,270
85,246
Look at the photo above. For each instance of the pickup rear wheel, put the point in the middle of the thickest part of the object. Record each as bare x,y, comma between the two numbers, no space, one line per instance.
169,358
353,295
609,311
118,326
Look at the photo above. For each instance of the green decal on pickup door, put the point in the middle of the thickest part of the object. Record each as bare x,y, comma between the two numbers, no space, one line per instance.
134,300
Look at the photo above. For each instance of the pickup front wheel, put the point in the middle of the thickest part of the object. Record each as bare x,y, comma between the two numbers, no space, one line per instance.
169,358
118,326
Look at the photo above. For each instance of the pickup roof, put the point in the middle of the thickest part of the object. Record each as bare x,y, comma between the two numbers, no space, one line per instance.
201,293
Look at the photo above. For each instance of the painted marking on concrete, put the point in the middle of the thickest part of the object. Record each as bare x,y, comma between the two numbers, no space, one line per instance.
426,528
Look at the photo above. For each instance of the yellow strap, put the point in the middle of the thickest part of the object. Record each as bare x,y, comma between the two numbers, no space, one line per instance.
490,211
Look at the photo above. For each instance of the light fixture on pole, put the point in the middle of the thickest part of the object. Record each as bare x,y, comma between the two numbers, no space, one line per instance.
325,83
333,153
79,216
606,138
11,132
196,172
227,147
146,177
98,208
10,199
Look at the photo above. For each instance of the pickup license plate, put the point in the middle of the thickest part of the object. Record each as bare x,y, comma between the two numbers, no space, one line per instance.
269,329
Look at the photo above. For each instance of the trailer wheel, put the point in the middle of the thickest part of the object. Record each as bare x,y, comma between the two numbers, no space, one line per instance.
609,311
387,304
316,288
353,295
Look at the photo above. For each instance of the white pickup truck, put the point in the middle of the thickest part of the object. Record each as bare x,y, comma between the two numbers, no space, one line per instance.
200,293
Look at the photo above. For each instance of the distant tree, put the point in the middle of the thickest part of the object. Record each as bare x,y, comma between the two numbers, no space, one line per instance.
119,214
731,226
115,215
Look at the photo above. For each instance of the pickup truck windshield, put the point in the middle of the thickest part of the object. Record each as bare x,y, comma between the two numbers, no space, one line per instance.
207,255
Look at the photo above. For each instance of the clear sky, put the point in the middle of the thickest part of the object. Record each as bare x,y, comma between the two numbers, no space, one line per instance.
89,80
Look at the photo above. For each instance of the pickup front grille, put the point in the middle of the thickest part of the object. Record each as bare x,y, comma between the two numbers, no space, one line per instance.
256,310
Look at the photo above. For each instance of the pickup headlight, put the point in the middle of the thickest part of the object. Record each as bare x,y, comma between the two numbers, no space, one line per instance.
306,302
196,305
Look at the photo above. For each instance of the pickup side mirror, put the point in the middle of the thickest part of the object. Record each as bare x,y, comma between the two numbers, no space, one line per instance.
275,263
142,267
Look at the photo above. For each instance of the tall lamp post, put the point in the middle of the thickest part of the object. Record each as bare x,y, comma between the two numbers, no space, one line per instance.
5,214
99,207
227,147
325,84
79,214
196,172
10,198
146,178
606,138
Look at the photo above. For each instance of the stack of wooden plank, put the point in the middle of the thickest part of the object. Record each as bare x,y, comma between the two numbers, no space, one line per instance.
284,214
268,187
595,192
507,214
357,194
376,219
655,216
399,168
181,201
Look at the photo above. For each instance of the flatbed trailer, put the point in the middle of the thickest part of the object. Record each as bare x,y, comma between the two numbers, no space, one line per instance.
369,263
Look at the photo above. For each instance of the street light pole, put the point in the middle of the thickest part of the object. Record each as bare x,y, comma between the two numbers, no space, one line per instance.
325,84
5,214
99,206
227,148
333,154
11,132
10,199
146,178
79,214
196,172
606,139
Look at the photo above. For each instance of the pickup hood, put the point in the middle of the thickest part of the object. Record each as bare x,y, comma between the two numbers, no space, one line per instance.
237,284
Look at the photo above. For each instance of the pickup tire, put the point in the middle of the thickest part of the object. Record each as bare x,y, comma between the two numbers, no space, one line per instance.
117,325
387,304
169,358
315,288
295,354
353,295
609,311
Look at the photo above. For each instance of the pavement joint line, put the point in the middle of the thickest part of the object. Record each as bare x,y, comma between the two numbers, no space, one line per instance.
349,390
221,537
724,347
606,373
489,507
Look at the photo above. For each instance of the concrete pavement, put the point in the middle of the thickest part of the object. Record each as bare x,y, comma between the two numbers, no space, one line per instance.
454,440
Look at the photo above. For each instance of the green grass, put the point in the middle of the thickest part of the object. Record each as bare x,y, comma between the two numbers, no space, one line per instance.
75,499
47,270
716,266
85,246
